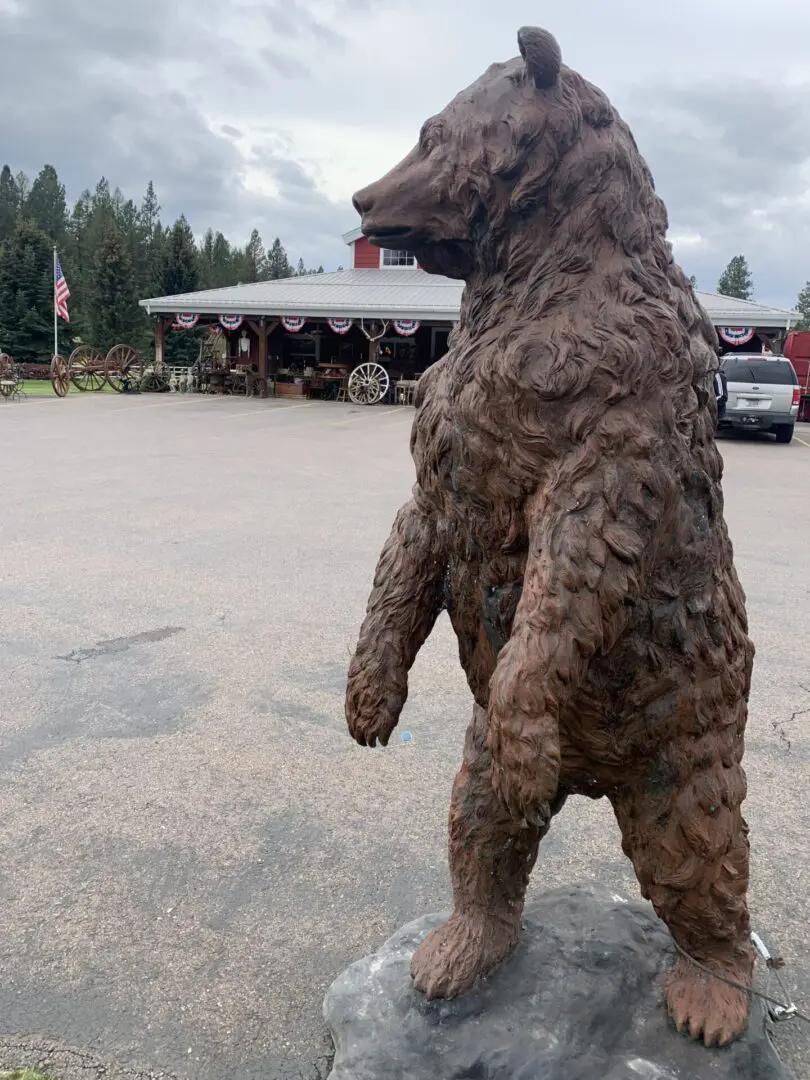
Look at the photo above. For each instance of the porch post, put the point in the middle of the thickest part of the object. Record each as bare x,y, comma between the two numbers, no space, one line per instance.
263,350
160,336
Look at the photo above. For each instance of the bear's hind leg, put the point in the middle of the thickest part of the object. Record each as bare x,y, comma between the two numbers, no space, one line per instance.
491,858
689,844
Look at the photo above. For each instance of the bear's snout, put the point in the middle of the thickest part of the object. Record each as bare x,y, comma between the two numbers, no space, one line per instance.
363,201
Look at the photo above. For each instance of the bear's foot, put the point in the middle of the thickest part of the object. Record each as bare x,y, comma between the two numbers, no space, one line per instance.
454,956
706,1007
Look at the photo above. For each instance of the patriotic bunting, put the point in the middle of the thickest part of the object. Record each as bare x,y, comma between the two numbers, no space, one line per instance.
231,322
406,327
736,335
340,326
293,323
185,322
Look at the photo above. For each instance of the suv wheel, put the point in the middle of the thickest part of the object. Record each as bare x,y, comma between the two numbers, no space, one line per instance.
783,432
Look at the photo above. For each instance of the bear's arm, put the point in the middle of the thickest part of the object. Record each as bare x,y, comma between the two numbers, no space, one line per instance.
591,533
406,599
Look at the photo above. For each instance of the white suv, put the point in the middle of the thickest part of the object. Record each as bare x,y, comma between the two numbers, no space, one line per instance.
763,394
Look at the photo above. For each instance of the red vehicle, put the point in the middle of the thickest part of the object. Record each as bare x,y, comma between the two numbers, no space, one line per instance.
797,350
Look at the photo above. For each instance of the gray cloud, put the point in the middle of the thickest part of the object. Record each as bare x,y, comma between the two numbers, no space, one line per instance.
291,19
277,61
731,163
207,97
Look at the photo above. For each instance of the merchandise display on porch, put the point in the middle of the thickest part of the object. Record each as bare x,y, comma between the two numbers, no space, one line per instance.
369,382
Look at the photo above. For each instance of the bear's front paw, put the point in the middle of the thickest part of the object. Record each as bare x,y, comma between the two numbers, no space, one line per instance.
373,707
523,798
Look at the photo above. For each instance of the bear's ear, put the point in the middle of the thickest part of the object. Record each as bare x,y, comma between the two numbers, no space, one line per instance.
542,55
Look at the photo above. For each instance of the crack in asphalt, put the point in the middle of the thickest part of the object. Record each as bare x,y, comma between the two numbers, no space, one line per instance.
121,644
69,1063
48,1055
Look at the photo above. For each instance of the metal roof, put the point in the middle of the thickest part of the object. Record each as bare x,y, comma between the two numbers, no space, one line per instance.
392,293
729,311
378,293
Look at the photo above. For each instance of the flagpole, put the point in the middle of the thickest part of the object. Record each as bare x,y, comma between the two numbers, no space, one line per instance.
55,313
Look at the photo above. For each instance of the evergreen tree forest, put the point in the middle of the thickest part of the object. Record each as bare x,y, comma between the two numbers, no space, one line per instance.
113,252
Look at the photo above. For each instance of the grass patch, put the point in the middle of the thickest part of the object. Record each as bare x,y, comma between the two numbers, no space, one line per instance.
24,1074
41,388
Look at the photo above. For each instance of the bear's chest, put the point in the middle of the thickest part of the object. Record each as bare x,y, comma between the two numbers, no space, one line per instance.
470,463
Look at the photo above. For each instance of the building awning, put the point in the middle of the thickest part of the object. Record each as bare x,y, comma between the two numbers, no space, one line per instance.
392,293
353,294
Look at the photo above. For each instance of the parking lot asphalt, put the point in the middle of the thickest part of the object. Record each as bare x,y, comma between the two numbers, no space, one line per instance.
191,847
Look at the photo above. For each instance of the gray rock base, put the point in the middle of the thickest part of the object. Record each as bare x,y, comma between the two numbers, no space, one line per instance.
581,999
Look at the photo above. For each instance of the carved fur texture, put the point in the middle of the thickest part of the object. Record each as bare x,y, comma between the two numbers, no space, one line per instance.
568,515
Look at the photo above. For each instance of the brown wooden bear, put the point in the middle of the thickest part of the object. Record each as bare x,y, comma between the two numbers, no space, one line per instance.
568,515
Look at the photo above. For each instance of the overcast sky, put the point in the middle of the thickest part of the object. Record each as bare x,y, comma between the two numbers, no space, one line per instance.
270,113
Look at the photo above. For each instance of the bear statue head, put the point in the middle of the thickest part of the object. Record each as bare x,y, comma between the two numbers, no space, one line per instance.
490,166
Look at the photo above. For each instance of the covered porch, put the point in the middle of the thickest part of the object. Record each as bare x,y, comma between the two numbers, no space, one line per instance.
360,335
295,356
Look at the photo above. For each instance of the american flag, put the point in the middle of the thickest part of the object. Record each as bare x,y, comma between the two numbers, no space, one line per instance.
61,294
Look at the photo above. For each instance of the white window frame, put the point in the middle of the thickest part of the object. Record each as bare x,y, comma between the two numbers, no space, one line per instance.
408,266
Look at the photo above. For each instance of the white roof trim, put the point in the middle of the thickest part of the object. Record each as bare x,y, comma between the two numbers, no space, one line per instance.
352,235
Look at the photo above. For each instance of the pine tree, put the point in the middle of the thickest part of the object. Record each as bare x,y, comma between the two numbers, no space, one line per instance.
150,210
803,307
152,243
23,185
207,260
255,260
693,281
223,268
46,206
9,204
26,295
736,279
180,271
180,274
278,265
111,304
301,270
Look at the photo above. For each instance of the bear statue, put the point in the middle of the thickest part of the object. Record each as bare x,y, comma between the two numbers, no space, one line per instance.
568,516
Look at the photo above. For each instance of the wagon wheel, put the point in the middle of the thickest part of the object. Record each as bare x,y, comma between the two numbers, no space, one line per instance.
368,384
60,379
87,368
124,367
155,379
